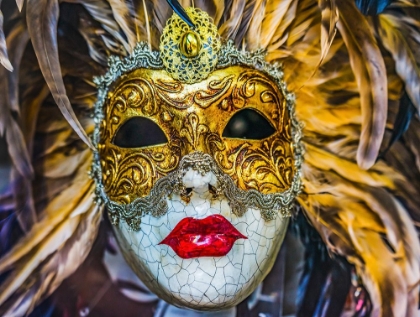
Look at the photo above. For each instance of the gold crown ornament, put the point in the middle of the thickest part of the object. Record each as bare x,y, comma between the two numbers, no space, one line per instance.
190,54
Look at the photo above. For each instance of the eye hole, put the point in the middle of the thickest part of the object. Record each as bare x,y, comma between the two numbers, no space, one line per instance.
248,124
139,132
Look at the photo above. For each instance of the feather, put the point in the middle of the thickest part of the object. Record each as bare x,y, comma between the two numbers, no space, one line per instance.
178,9
214,8
355,222
253,38
112,38
274,17
74,197
4,58
405,113
17,148
147,22
161,13
372,7
369,69
72,244
413,141
243,26
123,15
234,16
17,41
329,18
20,4
393,33
42,18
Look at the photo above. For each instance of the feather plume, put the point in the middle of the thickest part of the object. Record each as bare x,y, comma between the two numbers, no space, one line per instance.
253,39
393,33
214,8
19,4
273,19
405,113
4,58
10,129
233,19
369,69
42,18
17,148
372,7
280,36
74,239
329,18
57,233
125,18
110,33
179,10
17,41
357,232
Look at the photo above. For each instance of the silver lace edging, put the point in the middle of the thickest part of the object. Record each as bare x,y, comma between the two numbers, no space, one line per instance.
155,203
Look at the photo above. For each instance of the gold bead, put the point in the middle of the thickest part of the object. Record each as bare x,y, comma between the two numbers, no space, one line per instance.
190,44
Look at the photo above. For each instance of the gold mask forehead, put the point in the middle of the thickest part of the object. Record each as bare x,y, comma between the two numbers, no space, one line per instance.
193,117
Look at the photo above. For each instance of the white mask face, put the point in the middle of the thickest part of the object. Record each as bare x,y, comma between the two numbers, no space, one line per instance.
202,282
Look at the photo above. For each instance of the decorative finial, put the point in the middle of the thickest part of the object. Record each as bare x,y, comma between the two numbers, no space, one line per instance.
190,54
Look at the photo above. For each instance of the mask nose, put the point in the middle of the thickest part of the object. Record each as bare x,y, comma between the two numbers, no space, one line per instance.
198,181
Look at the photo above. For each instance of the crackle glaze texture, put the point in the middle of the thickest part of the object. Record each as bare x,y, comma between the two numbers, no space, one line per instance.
204,283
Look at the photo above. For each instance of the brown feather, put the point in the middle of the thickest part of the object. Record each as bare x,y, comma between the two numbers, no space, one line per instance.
4,58
275,13
234,16
42,19
329,18
369,69
17,148
124,16
393,33
17,41
253,38
20,4
110,34
214,8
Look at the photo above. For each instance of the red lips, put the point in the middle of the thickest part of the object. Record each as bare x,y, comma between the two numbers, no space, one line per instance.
212,236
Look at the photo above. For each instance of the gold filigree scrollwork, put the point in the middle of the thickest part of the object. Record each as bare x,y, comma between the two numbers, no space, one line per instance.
134,94
128,175
214,92
192,129
268,168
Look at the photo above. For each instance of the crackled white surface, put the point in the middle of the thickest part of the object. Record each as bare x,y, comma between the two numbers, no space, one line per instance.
203,283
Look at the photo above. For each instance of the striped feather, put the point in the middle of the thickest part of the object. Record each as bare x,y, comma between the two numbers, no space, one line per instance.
369,69
42,19
329,18
4,58
393,33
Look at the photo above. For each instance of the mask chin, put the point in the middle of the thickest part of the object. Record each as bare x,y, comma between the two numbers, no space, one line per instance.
202,282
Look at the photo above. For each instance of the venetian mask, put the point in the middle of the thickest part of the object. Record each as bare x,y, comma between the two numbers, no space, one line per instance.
198,162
